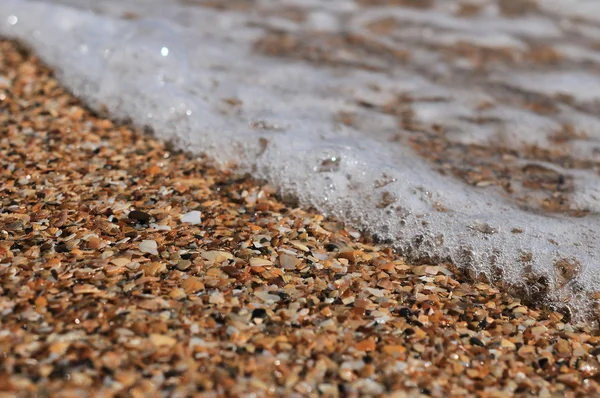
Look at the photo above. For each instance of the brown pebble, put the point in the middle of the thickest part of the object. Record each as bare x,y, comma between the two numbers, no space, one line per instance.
192,285
366,345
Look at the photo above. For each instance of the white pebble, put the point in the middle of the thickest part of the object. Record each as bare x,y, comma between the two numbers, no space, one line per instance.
193,217
148,246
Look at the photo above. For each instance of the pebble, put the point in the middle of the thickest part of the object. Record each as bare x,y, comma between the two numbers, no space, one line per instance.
505,343
267,297
394,350
216,256
149,246
366,345
260,262
161,340
139,216
192,285
193,217
120,261
216,298
288,262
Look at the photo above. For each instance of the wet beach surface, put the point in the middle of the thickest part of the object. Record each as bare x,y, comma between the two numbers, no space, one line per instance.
109,281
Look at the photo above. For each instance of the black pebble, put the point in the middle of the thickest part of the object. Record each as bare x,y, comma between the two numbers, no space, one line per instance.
331,247
483,324
139,216
404,312
259,313
476,341
61,248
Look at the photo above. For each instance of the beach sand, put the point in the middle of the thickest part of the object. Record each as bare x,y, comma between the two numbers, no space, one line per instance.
110,285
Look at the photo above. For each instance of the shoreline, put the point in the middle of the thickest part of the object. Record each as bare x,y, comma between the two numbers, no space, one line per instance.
255,297
374,149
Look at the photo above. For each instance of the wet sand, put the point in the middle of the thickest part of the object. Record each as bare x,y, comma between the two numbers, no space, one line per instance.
110,283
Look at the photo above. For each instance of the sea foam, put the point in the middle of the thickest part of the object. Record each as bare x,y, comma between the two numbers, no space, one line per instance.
197,77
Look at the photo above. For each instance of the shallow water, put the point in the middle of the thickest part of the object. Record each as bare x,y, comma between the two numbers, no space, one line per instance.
455,130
